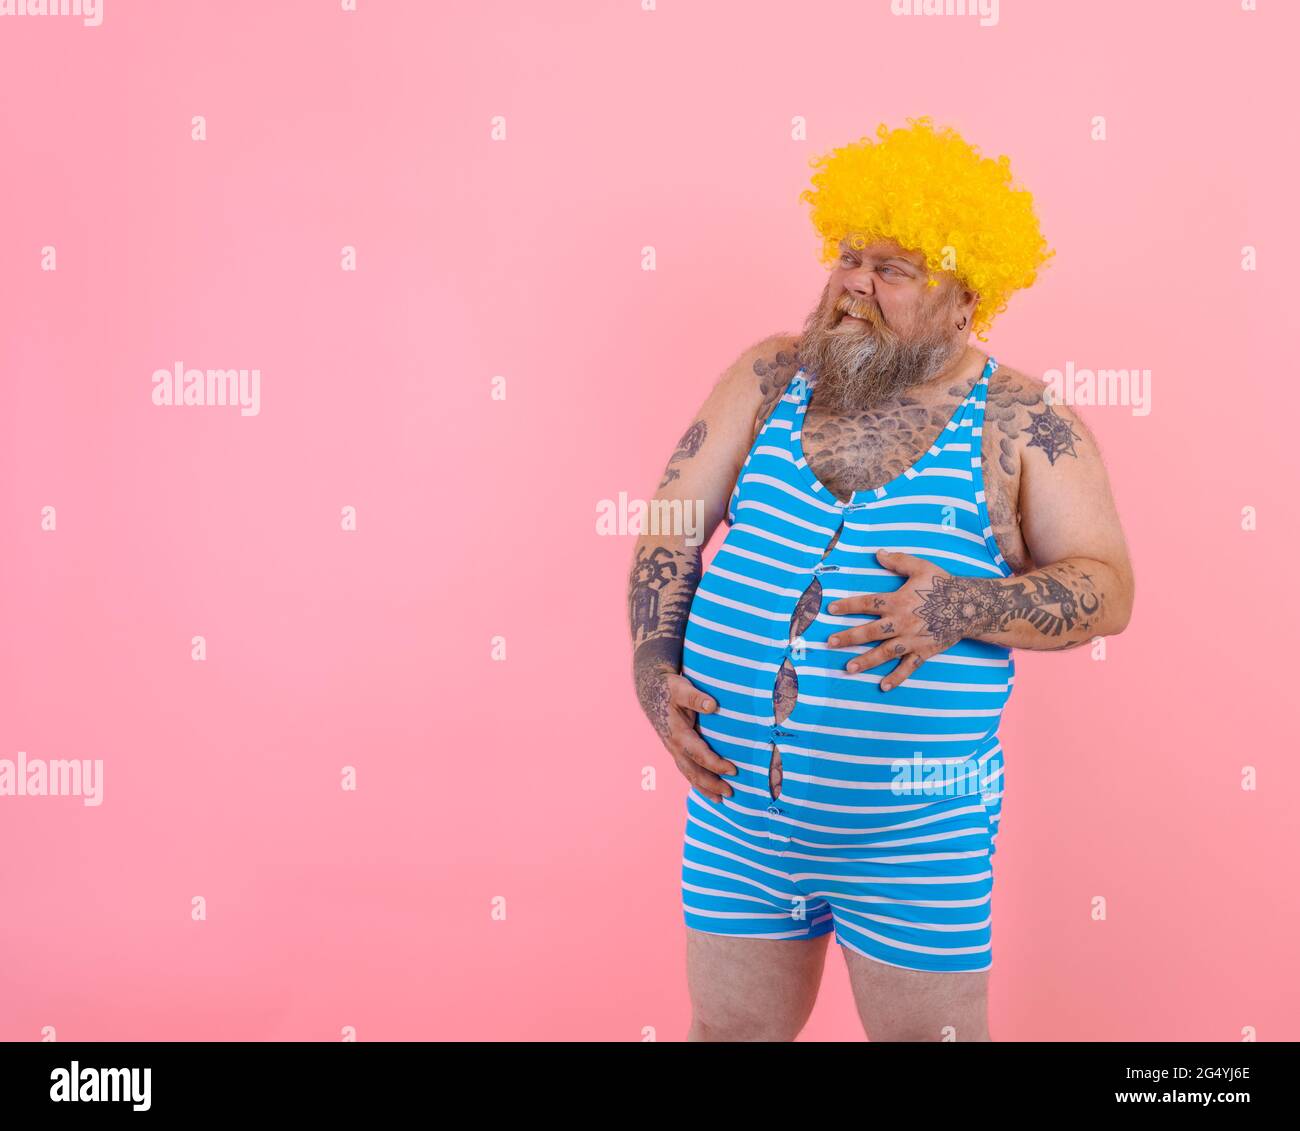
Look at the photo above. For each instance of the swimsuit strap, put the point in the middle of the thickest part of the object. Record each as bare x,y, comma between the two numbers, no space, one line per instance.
979,396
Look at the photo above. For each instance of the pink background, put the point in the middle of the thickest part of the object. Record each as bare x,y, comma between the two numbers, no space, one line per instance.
477,258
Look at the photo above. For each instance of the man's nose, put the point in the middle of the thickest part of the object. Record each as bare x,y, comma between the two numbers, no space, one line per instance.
860,282
859,291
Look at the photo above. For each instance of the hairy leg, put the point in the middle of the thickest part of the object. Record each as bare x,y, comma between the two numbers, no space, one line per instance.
916,1005
751,989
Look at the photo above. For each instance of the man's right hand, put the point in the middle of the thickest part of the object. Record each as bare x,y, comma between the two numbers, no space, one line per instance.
672,704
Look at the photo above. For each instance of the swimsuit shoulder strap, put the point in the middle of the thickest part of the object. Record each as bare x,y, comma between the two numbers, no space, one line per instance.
979,396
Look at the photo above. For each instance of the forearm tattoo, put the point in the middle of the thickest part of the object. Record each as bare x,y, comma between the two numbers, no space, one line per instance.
690,443
1057,599
661,587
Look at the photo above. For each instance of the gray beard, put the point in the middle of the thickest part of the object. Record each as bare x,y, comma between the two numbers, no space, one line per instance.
860,367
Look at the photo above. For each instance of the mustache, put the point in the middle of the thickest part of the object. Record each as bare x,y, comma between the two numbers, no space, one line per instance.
863,368
847,305
866,311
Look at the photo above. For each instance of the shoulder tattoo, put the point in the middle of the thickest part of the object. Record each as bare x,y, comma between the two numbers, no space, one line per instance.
1012,399
774,373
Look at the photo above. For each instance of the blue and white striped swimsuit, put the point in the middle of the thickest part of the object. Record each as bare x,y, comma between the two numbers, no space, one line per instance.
904,875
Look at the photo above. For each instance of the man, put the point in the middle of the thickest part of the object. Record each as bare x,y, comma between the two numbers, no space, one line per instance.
904,512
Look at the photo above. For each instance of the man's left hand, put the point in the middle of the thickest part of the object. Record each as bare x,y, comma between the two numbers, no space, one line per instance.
902,634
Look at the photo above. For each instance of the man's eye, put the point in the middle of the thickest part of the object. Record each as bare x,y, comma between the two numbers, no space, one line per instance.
846,258
887,267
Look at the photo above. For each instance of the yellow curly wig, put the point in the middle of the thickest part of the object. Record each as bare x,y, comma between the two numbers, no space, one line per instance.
933,193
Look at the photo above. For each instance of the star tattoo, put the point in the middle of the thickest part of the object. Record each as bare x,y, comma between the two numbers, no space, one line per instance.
1053,433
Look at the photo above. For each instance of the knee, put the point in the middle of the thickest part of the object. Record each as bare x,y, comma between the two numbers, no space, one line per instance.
910,1031
743,1028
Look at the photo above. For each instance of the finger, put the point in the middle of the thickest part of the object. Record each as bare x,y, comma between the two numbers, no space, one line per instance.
708,784
874,604
898,562
869,633
683,693
906,667
880,654
692,746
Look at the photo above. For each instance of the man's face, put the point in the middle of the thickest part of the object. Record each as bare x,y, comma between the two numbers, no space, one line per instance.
878,328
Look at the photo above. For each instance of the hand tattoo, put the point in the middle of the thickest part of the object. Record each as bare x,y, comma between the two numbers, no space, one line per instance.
655,659
957,607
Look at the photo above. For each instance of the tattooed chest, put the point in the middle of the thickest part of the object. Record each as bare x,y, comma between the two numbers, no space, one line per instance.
868,450
862,452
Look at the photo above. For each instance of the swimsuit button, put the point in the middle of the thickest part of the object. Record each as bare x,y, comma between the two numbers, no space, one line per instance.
773,810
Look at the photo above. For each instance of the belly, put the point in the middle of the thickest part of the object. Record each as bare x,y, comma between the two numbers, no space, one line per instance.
831,725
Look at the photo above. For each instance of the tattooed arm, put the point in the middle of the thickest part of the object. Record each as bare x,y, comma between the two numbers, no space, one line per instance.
1068,519
666,568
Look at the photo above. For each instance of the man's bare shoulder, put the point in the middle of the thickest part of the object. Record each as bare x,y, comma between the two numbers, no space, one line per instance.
1010,386
775,362
767,369
752,384
1022,415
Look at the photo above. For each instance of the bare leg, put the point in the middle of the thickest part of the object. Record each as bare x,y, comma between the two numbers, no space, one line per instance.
914,1005
751,989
